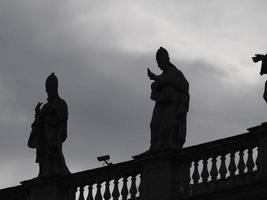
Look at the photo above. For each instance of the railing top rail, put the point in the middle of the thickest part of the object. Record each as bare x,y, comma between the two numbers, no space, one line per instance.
11,190
236,141
119,169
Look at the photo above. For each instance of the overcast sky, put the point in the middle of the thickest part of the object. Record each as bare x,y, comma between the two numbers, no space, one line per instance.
100,51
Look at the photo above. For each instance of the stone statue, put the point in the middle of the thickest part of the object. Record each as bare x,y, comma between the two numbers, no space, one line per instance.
263,58
170,91
49,131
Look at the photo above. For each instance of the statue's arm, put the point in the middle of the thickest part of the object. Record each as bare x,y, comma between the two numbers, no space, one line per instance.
259,57
33,140
62,111
151,75
63,116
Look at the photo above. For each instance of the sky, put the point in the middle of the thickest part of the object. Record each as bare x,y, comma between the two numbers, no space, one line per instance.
100,51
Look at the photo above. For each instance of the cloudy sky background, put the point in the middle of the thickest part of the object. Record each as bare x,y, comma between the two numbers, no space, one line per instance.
100,51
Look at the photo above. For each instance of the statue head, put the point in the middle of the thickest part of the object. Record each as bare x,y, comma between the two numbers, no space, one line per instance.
162,57
51,85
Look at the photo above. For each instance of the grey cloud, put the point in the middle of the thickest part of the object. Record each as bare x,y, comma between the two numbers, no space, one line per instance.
105,86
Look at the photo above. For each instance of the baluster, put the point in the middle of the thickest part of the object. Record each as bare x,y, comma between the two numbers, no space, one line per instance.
124,190
133,189
250,162
205,172
107,194
232,165
241,163
223,170
214,169
140,187
187,178
98,195
81,196
90,192
195,176
257,159
116,192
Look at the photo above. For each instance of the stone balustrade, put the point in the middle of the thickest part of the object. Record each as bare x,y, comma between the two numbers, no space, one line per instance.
224,163
220,165
119,181
15,193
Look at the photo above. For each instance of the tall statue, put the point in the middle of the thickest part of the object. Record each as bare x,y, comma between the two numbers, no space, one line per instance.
49,131
170,91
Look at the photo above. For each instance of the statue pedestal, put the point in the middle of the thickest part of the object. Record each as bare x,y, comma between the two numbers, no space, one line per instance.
50,192
161,175
45,189
262,148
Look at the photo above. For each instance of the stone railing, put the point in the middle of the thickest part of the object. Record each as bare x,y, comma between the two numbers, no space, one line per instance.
204,169
224,163
18,192
119,181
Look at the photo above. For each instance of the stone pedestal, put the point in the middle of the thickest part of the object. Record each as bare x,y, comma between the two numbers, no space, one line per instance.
160,177
261,132
45,189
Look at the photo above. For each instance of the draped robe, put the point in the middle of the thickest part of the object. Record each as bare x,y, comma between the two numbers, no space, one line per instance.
170,91
49,131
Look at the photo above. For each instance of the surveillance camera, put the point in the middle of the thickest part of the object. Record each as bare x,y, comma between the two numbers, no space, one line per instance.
103,158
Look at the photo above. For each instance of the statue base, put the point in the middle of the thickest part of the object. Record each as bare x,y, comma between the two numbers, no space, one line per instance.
45,188
160,172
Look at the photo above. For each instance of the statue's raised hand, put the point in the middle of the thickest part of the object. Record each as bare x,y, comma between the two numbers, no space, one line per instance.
151,75
258,57
38,108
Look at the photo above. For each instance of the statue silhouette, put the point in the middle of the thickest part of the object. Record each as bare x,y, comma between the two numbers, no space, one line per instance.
49,131
263,58
170,91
